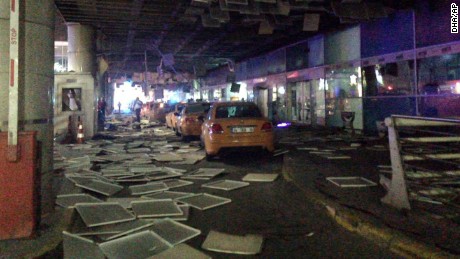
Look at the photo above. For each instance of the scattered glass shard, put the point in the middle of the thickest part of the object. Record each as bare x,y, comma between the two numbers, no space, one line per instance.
75,246
155,208
77,179
101,187
204,173
226,243
352,181
226,185
307,148
280,152
98,214
338,157
173,231
136,246
148,188
181,251
163,175
125,202
185,213
129,229
167,157
139,150
69,200
112,231
144,169
176,183
260,177
204,201
167,195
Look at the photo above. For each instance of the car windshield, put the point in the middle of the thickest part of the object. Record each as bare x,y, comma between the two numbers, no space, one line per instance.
238,111
195,108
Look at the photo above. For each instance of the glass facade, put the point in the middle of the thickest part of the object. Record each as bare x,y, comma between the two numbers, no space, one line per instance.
343,92
439,86
388,79
368,70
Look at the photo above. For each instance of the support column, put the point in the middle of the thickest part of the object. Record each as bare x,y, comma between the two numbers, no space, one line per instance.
81,78
81,48
36,79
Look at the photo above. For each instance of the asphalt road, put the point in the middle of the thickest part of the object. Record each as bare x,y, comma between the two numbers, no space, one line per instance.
293,226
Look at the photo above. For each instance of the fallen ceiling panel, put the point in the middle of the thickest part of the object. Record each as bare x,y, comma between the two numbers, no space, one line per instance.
174,232
181,251
226,185
69,200
156,208
233,244
101,187
204,201
136,246
98,214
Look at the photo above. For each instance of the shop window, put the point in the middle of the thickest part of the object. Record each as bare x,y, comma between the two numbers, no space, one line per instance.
439,75
388,79
439,86
343,83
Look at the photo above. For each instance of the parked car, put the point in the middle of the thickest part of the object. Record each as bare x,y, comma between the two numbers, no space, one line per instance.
230,125
156,111
171,117
191,118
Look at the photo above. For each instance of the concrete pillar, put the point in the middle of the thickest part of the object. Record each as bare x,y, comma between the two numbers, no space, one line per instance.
81,66
36,77
80,51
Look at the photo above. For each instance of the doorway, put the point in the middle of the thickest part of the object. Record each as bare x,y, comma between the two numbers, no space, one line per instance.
302,102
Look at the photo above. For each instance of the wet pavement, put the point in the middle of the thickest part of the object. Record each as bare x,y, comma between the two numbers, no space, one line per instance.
299,215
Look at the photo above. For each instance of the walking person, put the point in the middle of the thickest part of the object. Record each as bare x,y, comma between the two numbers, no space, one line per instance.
137,106
101,106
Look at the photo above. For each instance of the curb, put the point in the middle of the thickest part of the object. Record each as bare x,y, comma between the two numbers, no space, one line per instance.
395,241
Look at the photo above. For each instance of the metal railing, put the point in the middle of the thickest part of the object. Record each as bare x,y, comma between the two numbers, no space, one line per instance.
425,161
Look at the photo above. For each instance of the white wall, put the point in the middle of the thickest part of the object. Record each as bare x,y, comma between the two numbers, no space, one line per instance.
85,81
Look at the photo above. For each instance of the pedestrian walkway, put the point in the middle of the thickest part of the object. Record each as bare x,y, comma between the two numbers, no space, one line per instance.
316,156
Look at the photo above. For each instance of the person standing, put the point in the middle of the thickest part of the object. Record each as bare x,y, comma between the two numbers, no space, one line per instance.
137,106
119,107
101,106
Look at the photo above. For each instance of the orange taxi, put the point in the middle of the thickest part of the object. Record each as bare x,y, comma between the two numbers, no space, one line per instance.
171,117
191,118
231,125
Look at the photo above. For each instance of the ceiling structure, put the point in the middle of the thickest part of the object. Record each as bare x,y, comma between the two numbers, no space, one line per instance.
196,36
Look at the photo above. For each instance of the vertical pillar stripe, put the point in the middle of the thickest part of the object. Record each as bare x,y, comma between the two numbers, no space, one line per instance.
12,72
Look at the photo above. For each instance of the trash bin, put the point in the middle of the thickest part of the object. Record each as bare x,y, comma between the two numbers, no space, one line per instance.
19,188
347,119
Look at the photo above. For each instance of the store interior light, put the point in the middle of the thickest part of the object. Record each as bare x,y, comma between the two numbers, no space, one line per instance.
283,124
281,90
353,79
457,88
